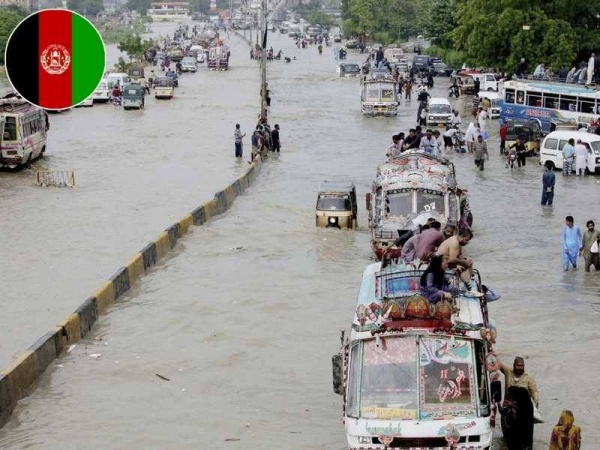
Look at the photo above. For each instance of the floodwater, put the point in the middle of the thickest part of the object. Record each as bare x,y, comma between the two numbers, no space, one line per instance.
244,319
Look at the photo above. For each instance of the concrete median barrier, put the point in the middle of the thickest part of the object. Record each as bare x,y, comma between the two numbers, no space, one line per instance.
19,377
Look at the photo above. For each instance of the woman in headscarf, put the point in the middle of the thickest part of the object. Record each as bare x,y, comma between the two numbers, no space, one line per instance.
471,136
565,434
517,419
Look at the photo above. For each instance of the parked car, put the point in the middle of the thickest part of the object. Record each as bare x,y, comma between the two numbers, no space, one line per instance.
551,149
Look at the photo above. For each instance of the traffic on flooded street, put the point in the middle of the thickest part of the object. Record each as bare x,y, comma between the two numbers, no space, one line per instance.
228,342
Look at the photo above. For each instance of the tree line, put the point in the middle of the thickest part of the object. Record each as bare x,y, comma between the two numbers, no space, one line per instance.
492,33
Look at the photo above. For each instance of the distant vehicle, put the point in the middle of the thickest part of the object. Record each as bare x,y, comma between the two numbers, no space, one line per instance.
163,88
379,98
188,64
494,98
199,53
338,38
528,129
439,111
441,69
487,81
87,102
117,78
421,63
133,96
218,58
102,93
352,43
349,70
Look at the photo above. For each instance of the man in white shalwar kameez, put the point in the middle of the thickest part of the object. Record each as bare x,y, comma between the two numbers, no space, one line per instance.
581,155
590,68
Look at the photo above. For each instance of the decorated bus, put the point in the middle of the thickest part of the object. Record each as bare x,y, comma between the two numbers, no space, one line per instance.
408,190
545,101
414,374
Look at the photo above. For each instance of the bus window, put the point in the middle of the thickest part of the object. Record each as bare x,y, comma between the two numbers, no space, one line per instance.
551,101
587,106
534,99
568,102
10,129
509,96
520,97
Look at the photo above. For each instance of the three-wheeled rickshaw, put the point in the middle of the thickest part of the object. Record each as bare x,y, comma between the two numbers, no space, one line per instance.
528,130
133,96
164,88
336,205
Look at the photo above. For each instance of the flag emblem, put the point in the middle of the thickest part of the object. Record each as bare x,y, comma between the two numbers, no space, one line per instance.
55,59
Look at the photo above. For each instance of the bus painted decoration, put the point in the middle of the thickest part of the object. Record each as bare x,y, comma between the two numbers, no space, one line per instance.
544,101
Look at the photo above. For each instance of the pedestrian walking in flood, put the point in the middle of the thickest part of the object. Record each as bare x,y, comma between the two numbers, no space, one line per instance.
275,143
568,153
581,155
503,132
238,136
481,152
572,240
548,181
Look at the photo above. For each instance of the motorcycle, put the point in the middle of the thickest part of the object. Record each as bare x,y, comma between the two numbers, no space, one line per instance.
116,101
454,91
458,142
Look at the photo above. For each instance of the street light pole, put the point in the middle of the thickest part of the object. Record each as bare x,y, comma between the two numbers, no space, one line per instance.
263,62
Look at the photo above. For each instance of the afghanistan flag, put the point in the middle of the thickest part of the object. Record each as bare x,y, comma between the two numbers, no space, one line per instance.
55,58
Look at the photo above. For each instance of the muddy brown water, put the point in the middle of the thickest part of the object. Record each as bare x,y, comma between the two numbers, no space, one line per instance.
244,318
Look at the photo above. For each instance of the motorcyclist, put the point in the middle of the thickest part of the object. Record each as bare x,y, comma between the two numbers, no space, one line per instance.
116,94
178,67
454,90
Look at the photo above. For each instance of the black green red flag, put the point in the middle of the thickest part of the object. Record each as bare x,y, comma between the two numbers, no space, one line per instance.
55,58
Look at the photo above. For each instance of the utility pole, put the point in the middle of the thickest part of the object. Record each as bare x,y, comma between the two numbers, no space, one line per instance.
263,62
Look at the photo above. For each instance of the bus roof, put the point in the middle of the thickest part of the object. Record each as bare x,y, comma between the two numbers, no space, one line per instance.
556,88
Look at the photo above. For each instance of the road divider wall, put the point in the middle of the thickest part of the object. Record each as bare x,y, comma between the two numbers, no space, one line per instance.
19,378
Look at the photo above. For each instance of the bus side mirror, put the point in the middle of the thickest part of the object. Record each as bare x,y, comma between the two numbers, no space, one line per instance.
338,373
368,197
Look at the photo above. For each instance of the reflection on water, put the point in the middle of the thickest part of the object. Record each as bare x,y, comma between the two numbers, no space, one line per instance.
245,336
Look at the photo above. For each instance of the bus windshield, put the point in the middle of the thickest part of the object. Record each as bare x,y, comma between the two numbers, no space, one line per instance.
414,377
430,202
399,204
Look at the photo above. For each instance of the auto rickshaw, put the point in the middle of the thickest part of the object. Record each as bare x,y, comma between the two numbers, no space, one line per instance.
164,88
529,130
336,205
466,84
133,96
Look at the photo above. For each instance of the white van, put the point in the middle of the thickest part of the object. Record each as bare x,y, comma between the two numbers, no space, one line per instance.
551,149
439,111
487,81
121,78
494,98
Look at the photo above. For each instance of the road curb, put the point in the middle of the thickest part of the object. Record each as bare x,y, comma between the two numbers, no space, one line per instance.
19,378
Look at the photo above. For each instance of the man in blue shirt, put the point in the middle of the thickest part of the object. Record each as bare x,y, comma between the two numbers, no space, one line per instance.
548,180
568,153
572,239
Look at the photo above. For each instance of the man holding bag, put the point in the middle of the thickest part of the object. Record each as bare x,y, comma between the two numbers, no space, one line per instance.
589,247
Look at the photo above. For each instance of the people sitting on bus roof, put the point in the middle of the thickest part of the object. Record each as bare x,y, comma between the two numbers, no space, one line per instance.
434,283
452,248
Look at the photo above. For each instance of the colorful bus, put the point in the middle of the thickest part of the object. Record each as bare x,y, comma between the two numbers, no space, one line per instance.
23,129
545,101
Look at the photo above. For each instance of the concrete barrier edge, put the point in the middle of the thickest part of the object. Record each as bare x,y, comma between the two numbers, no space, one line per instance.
18,379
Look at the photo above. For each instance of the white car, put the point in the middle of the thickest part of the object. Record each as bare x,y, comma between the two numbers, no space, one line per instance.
102,92
199,53
87,102
188,64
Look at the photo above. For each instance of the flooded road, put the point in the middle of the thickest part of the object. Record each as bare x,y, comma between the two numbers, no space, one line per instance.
244,319
136,173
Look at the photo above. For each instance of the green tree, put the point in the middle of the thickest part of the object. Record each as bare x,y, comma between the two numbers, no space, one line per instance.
134,46
86,7
141,6
9,19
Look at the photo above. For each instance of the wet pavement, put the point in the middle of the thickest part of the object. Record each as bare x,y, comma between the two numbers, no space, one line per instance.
244,319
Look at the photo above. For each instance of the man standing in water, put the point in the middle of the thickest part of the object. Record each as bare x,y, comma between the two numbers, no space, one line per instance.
571,243
275,139
548,181
590,237
238,136
517,377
